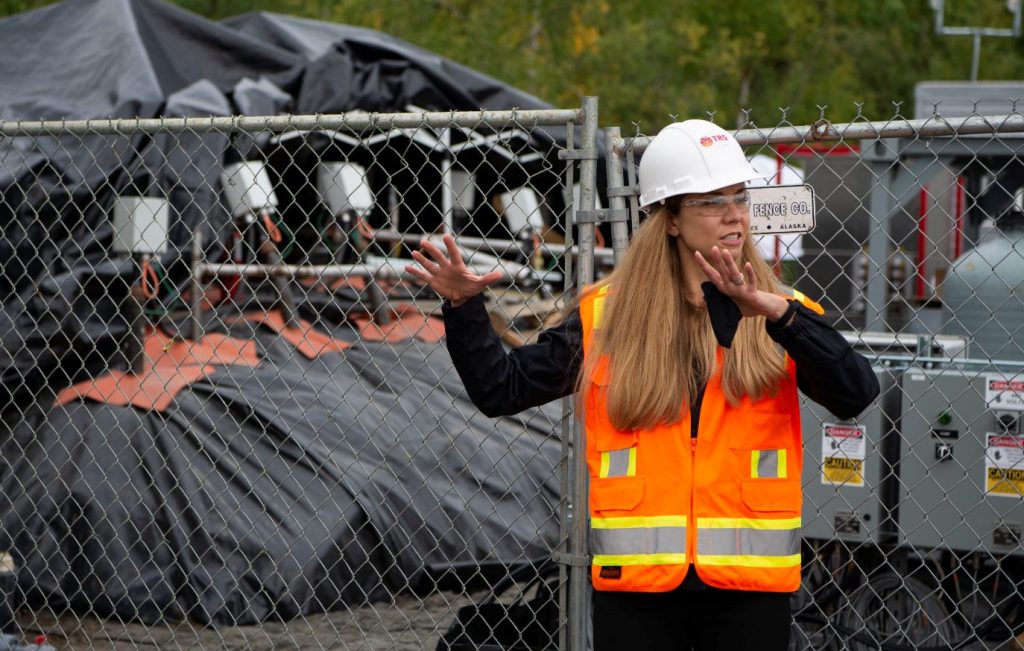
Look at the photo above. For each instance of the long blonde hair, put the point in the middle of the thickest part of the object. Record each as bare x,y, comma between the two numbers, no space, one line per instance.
661,348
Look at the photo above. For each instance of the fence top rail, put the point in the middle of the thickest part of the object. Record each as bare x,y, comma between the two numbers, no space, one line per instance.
825,131
352,122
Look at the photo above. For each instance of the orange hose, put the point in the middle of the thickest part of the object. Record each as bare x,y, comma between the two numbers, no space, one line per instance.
273,232
149,282
365,229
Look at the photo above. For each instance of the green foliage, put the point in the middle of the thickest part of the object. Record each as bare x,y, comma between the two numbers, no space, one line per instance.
649,60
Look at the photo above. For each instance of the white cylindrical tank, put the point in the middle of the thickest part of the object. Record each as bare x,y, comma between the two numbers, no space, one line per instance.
983,294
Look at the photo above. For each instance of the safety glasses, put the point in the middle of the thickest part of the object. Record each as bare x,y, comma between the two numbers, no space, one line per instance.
719,206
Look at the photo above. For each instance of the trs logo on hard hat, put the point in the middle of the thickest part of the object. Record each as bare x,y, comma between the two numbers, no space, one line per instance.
707,141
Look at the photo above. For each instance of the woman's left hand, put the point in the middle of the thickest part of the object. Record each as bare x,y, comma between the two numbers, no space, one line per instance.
740,286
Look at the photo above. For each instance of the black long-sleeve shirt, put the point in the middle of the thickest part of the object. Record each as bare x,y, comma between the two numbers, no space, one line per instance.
499,383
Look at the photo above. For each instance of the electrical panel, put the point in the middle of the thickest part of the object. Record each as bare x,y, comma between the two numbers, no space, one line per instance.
846,470
961,460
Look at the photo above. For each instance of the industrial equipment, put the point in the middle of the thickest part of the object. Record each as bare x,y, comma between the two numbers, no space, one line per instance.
847,468
961,462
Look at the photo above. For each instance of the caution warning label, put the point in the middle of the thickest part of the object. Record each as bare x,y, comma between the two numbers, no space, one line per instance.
843,448
1004,465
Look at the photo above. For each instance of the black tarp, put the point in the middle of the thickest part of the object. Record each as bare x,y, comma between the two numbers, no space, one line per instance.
292,487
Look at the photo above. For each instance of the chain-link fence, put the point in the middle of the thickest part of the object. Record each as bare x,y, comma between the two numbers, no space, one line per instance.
230,419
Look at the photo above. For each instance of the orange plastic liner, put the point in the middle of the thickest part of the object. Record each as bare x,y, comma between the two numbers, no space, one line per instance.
170,365
407,324
153,389
306,339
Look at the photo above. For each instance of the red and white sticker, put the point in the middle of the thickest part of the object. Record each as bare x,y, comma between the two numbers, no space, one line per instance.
1004,465
1002,392
843,448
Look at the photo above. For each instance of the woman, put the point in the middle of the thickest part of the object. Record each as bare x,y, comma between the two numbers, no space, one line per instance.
687,359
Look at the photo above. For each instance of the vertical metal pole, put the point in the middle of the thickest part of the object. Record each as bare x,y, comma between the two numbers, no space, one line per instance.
447,200
634,201
976,56
569,425
196,293
135,344
613,167
878,244
579,578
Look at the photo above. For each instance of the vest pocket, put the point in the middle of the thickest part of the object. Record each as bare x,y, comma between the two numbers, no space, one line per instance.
774,495
616,493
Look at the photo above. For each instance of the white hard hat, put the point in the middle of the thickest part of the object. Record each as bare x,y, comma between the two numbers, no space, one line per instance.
691,157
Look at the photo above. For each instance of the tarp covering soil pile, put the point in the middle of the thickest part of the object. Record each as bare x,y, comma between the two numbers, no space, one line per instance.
292,487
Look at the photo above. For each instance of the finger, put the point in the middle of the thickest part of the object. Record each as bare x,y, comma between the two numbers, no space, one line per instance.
709,270
453,249
434,252
491,277
722,267
419,273
731,269
426,264
748,270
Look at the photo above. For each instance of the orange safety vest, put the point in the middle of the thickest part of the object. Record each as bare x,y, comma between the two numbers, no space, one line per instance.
726,502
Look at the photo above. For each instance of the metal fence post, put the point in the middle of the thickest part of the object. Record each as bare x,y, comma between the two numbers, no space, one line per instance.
616,190
579,611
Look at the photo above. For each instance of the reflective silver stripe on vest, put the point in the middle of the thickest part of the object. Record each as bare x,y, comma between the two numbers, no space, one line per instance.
638,540
768,464
618,463
748,542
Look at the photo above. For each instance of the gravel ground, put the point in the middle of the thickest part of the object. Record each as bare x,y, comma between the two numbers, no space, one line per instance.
408,622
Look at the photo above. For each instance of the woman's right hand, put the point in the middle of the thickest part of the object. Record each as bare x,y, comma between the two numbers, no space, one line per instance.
448,275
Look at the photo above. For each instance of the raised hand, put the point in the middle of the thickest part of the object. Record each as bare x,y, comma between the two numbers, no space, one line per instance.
740,286
448,275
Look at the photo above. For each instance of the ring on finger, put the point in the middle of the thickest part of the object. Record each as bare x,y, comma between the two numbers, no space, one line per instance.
738,280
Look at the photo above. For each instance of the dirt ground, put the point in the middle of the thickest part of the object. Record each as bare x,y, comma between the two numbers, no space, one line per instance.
406,623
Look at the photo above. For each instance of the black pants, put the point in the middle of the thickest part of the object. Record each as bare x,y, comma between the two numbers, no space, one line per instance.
703,620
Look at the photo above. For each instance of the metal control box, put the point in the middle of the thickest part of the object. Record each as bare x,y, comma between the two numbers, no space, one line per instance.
247,188
846,469
961,461
140,225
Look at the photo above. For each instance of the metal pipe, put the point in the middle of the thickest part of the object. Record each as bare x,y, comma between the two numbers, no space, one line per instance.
495,246
135,342
351,122
326,272
613,167
976,56
196,292
579,574
570,425
933,127
285,300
